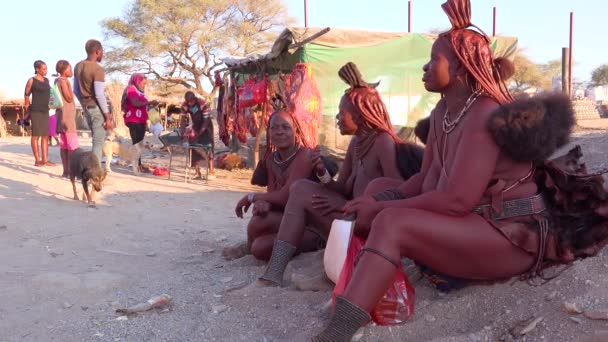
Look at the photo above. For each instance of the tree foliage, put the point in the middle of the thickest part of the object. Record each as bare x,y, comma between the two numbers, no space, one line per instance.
530,74
552,68
599,75
180,41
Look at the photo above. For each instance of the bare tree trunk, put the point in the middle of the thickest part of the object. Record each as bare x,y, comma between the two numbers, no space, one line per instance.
119,121
114,91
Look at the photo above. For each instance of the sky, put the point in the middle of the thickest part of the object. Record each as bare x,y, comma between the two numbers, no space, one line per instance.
53,30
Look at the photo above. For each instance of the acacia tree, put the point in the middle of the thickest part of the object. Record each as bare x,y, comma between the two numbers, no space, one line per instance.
552,68
599,75
528,73
180,41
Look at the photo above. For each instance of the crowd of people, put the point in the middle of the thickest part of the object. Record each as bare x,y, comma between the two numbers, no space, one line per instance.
89,89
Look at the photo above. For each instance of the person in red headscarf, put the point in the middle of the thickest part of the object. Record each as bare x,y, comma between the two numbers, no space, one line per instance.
484,205
134,104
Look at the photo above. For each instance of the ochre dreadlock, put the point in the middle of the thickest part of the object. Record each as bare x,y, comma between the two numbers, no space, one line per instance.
365,99
473,50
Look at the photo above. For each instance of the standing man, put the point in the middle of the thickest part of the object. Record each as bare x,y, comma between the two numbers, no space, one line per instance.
89,79
200,131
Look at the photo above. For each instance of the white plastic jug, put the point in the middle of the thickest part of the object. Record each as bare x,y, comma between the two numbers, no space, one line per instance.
335,250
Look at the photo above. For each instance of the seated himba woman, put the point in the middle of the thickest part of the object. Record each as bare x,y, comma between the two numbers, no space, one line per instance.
372,153
487,205
289,159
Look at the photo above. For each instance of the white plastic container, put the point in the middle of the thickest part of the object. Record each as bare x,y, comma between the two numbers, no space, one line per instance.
336,248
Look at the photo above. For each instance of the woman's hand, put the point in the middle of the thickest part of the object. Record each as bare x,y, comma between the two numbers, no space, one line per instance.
325,205
243,204
365,208
261,208
317,162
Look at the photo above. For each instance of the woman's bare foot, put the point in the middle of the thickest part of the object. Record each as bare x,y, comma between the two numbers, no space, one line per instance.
39,163
49,163
236,252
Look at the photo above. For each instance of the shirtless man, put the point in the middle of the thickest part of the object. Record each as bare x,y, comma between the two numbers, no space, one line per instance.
89,78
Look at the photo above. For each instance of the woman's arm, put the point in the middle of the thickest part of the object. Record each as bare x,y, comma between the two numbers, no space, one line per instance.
413,186
183,118
206,113
301,169
345,172
135,98
385,148
66,90
27,93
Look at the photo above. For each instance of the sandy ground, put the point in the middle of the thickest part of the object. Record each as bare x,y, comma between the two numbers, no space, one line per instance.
66,268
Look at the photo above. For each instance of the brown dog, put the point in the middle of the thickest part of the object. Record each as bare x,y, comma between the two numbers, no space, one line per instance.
84,165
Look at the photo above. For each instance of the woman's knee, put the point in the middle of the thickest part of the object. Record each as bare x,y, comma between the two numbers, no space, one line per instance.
302,187
261,249
393,226
256,227
381,184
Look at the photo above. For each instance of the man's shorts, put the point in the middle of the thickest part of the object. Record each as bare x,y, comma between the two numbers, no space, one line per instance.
68,141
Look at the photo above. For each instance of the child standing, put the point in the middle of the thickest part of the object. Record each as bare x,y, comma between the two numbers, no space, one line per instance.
66,116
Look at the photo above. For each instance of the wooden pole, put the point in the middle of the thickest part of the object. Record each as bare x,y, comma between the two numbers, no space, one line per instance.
494,23
409,16
565,69
305,13
570,55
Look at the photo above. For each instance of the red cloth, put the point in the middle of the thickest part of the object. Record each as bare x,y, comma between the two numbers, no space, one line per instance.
304,100
252,93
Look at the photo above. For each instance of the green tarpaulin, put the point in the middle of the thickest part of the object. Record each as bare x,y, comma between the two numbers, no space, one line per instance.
394,59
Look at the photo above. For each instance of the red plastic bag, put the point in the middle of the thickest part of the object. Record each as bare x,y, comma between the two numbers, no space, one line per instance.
160,171
252,93
397,304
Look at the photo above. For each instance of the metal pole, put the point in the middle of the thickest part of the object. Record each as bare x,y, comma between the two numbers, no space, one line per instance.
305,13
494,23
570,55
409,16
565,68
